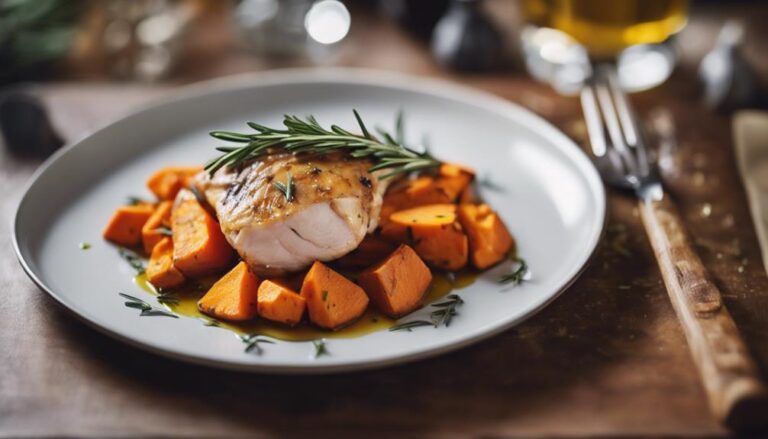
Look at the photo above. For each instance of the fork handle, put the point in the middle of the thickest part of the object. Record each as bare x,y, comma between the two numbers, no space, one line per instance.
736,394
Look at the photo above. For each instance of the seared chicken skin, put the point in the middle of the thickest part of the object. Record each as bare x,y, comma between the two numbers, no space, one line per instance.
334,202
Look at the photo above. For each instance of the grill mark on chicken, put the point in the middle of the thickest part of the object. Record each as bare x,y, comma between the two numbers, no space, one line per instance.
335,202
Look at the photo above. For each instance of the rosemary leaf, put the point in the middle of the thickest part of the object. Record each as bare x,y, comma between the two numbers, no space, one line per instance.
320,347
288,189
135,261
518,275
408,326
167,298
252,342
146,308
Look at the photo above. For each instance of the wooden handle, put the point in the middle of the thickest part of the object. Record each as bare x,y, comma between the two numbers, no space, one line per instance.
736,394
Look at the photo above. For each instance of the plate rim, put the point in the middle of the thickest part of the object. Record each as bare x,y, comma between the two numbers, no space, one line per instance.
338,75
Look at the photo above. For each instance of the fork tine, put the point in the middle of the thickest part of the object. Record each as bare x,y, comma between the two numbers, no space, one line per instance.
628,123
595,128
608,109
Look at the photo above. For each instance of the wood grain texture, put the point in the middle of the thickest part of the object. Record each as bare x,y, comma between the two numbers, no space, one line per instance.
736,393
607,358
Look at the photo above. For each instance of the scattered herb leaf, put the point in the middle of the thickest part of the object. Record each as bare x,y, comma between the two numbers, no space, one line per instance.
518,275
446,310
320,347
252,342
408,326
84,246
167,298
287,189
146,308
209,322
135,261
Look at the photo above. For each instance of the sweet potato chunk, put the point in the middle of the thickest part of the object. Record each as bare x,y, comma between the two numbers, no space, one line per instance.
435,234
489,239
397,285
280,304
150,233
333,301
199,245
445,187
373,249
160,270
167,182
124,228
234,297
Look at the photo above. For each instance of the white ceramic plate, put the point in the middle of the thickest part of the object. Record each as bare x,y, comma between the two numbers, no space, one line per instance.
554,204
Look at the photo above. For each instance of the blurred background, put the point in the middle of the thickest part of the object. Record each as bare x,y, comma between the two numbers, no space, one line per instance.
182,41
709,52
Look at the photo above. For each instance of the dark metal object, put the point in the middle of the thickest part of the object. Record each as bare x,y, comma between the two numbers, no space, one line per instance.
466,39
729,81
418,17
25,126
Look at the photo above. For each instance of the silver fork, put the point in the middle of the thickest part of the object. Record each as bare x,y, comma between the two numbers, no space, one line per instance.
737,397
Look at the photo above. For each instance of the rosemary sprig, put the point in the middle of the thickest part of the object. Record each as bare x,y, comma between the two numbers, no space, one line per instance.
320,347
307,136
446,310
518,275
288,189
165,231
146,308
252,342
134,260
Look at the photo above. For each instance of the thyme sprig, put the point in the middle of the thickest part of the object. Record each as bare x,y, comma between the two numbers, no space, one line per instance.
288,188
146,308
445,312
307,136
320,347
252,342
518,275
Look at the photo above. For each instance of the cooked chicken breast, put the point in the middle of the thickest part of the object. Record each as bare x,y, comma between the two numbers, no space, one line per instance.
335,201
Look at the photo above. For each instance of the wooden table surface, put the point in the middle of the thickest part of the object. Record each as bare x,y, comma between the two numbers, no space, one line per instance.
608,357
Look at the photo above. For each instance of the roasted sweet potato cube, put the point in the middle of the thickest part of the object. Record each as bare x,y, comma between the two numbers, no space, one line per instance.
397,285
279,303
150,233
124,228
234,297
167,182
435,234
160,270
199,246
489,240
333,301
